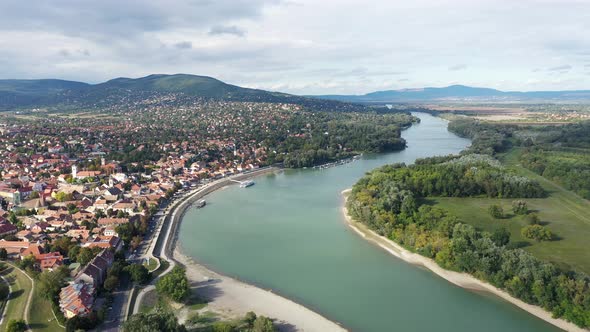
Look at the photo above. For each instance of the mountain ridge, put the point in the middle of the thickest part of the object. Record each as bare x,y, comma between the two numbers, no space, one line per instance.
51,92
458,92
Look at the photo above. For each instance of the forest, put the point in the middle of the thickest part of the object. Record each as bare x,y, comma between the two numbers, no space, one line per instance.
558,153
391,201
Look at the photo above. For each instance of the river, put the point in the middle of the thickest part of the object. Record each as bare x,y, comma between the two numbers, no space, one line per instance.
287,233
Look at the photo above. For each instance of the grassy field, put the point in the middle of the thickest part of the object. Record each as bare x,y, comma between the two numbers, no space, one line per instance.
21,287
41,316
566,214
151,265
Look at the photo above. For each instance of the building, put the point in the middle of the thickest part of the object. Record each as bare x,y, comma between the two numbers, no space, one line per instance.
76,299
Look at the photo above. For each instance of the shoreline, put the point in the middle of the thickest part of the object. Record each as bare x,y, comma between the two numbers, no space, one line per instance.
463,280
228,295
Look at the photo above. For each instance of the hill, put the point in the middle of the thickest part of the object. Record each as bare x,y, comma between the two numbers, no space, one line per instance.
15,93
461,93
53,93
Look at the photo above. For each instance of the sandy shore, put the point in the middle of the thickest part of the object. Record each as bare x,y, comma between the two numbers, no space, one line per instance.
460,279
234,298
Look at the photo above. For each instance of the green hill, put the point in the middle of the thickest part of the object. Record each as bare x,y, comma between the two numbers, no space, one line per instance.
16,94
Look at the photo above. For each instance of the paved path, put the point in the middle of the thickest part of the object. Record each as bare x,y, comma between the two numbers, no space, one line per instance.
169,223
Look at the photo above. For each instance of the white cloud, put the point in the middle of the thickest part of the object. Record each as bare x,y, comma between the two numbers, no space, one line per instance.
303,46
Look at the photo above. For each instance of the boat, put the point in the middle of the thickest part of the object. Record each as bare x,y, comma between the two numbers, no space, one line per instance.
246,184
201,203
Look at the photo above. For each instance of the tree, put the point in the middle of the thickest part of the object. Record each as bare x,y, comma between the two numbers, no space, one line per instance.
536,232
16,326
174,284
51,282
154,321
62,196
28,263
532,219
496,211
519,207
138,272
3,254
111,283
501,236
85,256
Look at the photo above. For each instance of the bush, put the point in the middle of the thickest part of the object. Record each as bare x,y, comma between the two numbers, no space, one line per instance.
536,232
496,211
519,207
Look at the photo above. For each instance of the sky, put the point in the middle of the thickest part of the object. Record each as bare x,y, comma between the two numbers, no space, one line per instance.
304,46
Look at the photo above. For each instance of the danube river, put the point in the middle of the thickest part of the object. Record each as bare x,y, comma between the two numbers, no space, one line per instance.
287,233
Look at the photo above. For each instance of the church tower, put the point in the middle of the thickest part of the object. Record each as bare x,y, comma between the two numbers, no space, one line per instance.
74,171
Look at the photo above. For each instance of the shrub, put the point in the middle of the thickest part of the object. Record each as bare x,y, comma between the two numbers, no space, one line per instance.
496,211
519,207
536,232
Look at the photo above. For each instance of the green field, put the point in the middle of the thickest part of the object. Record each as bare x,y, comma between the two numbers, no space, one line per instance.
21,287
566,214
41,316
151,265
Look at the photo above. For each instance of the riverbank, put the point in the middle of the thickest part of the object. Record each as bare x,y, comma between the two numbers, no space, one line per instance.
225,294
463,280
234,298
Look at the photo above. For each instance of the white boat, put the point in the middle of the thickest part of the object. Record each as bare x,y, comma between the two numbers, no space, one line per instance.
246,184
201,203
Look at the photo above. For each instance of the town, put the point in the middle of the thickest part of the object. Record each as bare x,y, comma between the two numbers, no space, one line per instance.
81,195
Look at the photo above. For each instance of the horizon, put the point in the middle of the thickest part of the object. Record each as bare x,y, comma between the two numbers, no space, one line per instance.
343,47
401,89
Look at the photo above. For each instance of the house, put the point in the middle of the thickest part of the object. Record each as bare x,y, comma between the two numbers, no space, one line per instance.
91,275
49,261
7,228
112,221
14,248
76,299
106,242
40,227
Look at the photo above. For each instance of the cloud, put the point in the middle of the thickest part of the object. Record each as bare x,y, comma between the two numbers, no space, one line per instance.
227,30
458,67
560,68
293,44
183,45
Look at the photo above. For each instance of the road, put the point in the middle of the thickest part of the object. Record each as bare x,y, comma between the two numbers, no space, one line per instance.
169,223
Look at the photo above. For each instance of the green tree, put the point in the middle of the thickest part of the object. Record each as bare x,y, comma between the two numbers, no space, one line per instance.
174,284
51,282
111,283
154,321
501,236
3,254
16,326
85,256
139,274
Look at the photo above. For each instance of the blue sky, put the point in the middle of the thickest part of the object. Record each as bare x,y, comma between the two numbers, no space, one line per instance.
304,46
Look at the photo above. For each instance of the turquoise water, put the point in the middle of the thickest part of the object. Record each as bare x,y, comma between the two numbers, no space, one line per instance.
287,233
